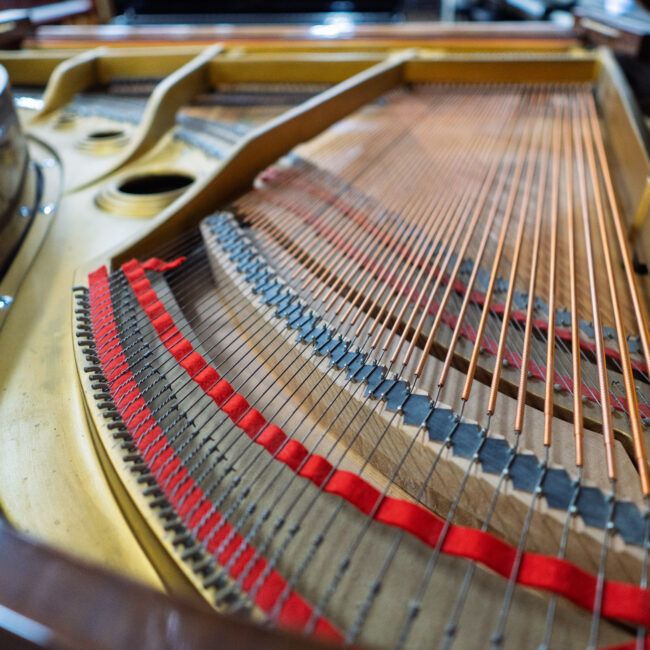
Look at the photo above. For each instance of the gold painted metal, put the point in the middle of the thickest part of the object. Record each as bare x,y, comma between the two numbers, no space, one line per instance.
86,71
642,213
69,78
169,95
71,135
35,67
52,481
204,71
98,142
112,199
625,141
137,509
32,68
169,157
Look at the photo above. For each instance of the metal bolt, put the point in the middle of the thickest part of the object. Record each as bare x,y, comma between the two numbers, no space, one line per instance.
5,302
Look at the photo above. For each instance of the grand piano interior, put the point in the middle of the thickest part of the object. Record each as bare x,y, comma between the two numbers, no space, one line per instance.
324,324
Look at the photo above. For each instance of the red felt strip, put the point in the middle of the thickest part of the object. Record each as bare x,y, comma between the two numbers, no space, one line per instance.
154,264
621,601
169,472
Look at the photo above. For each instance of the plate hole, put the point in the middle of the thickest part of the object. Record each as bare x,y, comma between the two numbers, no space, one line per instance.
155,184
108,134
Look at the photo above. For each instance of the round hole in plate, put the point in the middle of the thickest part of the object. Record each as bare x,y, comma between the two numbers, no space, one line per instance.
155,184
107,134
143,194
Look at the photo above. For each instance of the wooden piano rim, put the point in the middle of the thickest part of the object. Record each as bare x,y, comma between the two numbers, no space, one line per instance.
83,606
499,36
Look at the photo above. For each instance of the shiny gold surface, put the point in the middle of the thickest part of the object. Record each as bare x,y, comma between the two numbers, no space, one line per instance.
52,484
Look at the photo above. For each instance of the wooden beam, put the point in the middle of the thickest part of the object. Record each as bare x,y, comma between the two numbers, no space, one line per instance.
72,604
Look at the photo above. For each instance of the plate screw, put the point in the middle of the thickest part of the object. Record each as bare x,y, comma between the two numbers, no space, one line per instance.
5,302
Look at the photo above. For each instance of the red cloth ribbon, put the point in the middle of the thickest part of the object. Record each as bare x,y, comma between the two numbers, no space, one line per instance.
620,601
155,264
174,479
